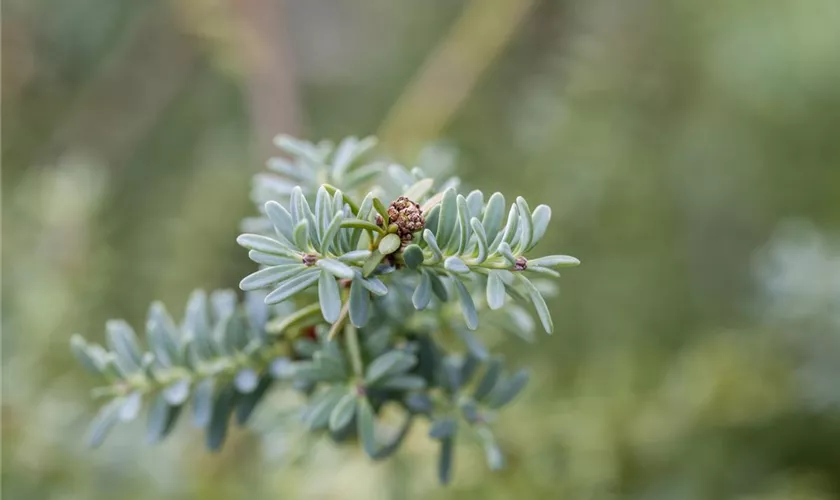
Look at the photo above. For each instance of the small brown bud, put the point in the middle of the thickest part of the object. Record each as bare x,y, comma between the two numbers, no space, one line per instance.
309,260
521,264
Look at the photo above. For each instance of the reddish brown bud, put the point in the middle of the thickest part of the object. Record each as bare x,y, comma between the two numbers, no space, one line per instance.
407,216
521,264
309,333
309,260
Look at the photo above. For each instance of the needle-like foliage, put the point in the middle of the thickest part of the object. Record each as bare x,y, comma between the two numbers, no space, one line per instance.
367,272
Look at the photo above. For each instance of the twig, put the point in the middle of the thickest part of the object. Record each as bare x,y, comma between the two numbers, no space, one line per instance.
352,338
276,328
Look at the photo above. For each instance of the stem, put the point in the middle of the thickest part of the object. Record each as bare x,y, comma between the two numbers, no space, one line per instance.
345,310
147,382
276,328
352,338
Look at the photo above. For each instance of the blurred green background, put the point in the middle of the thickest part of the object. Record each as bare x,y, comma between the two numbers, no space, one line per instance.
690,150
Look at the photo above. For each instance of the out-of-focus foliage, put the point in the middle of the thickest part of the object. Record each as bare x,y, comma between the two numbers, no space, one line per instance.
689,152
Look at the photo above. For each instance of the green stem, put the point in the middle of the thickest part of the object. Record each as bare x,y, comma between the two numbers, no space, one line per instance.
278,327
345,310
352,338
210,368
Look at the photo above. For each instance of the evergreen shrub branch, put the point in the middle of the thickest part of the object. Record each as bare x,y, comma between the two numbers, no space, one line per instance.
366,273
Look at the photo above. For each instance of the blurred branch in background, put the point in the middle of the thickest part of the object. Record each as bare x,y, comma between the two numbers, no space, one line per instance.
445,81
269,69
249,39
18,59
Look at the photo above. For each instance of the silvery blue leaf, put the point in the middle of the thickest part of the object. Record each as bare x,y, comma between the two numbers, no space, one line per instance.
80,350
329,297
328,239
448,218
343,412
526,224
423,294
475,202
163,336
281,219
177,392
323,212
285,168
445,462
366,426
265,244
480,241
223,405
390,363
494,214
474,346
404,383
495,291
443,428
489,380
492,452
104,421
271,260
130,407
301,235
467,305
202,402
282,368
355,256
293,286
507,390
123,342
413,256
336,268
512,225
438,288
539,303
375,286
246,380
456,265
389,244
359,303
223,303
161,420
248,402
431,241
464,228
541,218
555,261
507,253
419,189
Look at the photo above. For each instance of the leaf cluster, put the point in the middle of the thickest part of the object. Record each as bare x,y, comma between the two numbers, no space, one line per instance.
364,299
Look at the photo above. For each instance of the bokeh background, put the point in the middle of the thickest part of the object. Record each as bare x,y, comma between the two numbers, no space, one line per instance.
690,150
